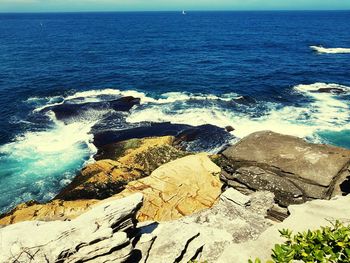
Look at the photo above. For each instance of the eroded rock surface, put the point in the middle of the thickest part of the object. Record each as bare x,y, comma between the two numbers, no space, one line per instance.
204,235
178,188
99,235
294,170
311,215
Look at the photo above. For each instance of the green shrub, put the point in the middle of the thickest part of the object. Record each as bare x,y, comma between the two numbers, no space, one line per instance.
326,245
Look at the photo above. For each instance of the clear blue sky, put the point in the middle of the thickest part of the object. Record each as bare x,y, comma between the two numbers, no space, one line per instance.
159,5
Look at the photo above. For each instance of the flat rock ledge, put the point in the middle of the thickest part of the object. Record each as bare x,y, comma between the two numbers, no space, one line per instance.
294,170
108,233
311,215
99,235
233,230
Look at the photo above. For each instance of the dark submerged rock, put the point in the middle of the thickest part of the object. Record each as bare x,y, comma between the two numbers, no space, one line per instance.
188,138
104,138
67,111
245,100
204,138
332,90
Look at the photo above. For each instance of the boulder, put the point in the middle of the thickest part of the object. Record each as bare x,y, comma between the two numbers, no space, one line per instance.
99,235
203,138
178,188
128,160
293,169
106,137
311,215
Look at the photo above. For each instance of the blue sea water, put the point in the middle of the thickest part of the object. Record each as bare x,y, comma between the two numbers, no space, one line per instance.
190,69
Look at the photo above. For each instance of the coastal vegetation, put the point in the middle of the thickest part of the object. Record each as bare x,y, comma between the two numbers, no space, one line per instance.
330,244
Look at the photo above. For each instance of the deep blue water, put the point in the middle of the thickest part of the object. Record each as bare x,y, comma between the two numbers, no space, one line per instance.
186,69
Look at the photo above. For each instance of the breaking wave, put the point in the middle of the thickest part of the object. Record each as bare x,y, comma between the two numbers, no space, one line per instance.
325,111
39,163
321,49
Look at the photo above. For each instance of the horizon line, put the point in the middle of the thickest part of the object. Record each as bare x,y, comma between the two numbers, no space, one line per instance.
174,11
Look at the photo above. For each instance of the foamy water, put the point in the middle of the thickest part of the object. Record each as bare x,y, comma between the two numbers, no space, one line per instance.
38,163
321,49
325,112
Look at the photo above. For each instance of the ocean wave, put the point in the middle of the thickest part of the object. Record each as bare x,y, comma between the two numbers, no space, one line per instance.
38,164
321,49
325,112
100,95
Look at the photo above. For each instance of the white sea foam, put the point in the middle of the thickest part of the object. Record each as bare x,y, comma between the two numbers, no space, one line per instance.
95,96
326,111
38,162
321,49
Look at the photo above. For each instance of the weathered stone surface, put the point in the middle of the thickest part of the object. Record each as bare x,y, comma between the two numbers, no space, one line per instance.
294,170
178,188
99,235
236,197
204,235
171,242
315,163
132,160
54,210
311,215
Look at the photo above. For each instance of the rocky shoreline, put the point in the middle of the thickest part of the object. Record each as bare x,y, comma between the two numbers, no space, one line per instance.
161,198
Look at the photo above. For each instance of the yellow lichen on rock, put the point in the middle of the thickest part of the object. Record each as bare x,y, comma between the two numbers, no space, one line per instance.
178,188
131,160
54,210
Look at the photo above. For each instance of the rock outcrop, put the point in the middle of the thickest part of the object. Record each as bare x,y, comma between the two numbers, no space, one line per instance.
233,230
54,210
202,138
311,215
204,235
294,170
100,235
178,188
126,161
69,111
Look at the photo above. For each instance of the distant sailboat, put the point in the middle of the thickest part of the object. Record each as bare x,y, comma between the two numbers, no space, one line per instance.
183,12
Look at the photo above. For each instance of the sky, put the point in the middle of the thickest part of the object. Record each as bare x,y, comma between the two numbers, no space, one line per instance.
168,5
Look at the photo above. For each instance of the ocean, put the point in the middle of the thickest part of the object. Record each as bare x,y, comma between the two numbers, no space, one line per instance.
250,70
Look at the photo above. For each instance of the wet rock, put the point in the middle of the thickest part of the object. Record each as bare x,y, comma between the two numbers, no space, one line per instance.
294,170
67,111
100,234
229,128
151,130
245,100
204,138
333,90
